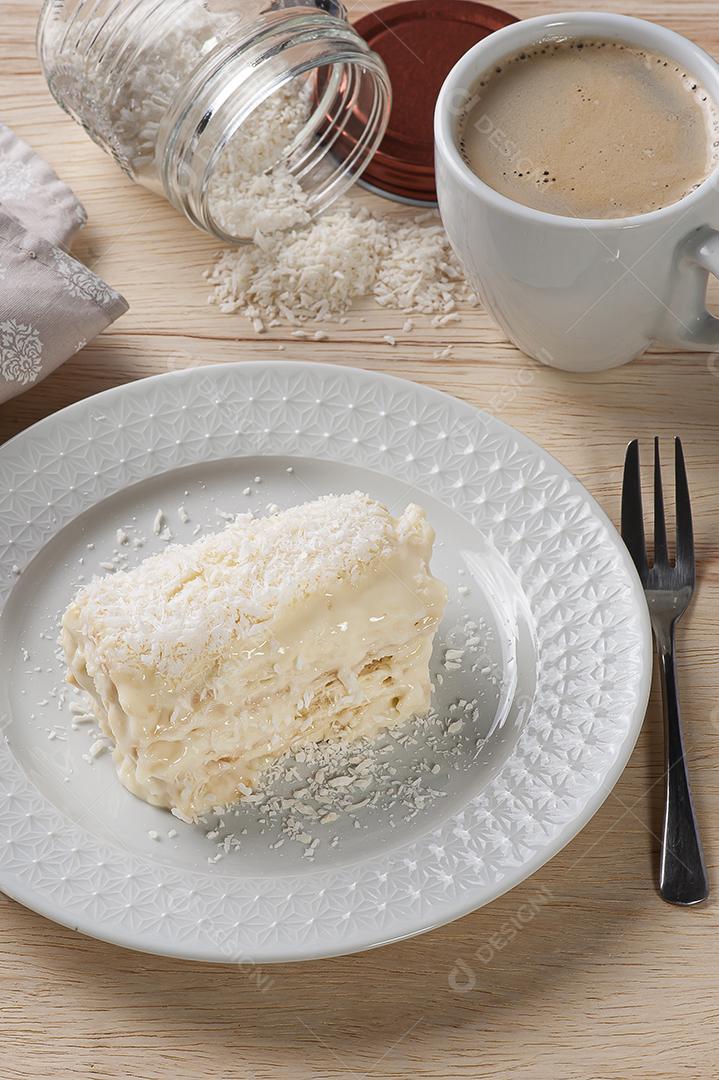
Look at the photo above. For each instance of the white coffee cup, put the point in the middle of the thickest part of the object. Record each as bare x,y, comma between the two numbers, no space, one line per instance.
581,294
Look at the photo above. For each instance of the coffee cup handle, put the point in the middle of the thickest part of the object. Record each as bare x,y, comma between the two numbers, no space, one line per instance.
686,321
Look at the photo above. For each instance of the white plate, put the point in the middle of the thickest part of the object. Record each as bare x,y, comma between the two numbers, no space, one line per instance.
562,675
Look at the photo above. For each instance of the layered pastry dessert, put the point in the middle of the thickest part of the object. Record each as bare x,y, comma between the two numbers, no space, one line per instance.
210,660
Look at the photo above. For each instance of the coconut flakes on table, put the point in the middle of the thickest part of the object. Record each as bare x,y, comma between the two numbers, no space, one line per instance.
443,354
311,273
316,273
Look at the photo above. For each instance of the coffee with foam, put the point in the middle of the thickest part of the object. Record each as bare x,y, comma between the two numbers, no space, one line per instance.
590,128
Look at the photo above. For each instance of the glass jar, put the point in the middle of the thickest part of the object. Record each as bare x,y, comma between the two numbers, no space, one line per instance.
202,100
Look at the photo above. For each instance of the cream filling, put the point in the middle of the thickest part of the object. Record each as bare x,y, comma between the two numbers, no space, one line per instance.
342,664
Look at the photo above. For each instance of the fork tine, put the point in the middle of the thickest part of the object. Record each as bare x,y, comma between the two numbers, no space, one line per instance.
632,515
661,557
685,532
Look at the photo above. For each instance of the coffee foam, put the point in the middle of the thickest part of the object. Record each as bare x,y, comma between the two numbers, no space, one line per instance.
591,128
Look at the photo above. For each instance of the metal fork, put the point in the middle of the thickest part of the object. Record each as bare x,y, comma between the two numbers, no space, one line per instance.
668,589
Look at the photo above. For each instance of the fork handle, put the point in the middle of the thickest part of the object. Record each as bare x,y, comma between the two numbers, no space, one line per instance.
682,873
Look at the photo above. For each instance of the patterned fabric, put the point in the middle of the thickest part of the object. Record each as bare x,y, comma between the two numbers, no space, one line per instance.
50,304
32,192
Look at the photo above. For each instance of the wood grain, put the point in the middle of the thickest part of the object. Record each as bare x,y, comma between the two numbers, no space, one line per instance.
605,982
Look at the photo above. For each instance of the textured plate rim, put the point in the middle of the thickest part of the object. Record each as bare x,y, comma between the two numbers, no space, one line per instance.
218,951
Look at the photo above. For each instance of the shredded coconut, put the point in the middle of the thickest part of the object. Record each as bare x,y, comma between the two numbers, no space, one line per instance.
252,190
317,272
307,792
126,111
370,782
178,611
126,114
293,268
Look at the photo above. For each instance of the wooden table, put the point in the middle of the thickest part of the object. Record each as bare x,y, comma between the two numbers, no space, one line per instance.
606,981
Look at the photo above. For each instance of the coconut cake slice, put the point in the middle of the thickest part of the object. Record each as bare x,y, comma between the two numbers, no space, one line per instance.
210,660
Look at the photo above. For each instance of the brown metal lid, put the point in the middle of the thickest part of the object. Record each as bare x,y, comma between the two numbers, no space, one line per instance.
420,41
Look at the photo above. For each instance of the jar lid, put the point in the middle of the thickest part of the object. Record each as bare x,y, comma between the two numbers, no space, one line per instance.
420,41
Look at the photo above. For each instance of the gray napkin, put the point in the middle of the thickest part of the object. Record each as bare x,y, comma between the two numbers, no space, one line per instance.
50,304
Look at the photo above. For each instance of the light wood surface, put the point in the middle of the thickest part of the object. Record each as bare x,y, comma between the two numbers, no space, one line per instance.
606,982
